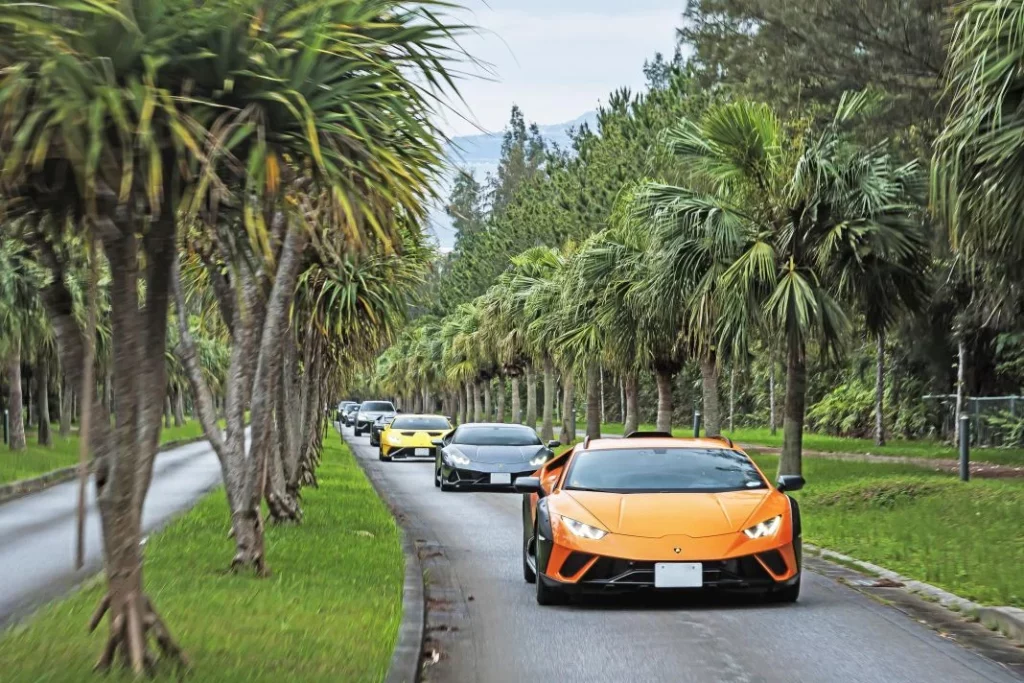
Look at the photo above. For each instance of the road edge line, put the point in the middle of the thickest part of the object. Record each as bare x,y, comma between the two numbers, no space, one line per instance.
23,487
1007,620
405,660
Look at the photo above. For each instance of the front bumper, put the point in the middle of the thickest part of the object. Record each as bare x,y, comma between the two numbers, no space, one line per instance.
400,452
478,475
580,572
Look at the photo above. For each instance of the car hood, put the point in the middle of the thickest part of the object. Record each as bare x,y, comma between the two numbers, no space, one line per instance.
373,415
498,454
654,515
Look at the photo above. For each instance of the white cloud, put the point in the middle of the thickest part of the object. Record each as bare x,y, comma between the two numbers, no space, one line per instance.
558,65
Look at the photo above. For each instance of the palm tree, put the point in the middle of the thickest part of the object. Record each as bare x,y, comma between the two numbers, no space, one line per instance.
977,175
537,290
794,218
300,120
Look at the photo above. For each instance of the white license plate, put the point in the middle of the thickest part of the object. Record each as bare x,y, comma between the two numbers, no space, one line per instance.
422,451
501,479
678,575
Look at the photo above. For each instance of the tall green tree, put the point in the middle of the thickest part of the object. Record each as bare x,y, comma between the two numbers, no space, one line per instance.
807,220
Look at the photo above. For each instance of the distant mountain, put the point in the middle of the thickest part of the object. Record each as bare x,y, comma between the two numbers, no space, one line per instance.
479,154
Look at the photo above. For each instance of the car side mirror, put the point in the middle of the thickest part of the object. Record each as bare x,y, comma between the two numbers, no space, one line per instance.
554,443
790,482
528,485
437,442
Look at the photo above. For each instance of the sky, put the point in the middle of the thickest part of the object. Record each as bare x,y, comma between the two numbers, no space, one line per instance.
557,59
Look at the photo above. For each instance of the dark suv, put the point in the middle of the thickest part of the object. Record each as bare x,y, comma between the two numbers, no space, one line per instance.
368,413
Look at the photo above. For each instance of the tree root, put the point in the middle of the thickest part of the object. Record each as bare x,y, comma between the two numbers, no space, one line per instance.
131,625
283,508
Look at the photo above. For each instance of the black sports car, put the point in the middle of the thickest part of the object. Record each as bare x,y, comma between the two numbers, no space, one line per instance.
368,413
378,426
486,455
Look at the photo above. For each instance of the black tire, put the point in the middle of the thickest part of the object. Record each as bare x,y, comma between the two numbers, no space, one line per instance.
381,457
529,570
437,475
356,432
786,594
548,595
529,573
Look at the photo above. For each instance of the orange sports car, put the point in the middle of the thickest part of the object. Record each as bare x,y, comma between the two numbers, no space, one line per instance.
650,511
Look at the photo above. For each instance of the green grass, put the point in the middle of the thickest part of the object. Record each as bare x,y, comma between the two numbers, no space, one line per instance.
917,448
37,460
965,538
329,612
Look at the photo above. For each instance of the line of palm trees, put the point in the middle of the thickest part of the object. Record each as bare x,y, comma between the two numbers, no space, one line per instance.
764,240
251,175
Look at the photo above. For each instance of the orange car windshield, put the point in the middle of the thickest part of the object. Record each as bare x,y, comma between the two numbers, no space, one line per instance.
663,470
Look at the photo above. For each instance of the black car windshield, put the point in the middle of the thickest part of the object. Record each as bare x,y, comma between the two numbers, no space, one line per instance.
377,407
486,435
420,422
663,470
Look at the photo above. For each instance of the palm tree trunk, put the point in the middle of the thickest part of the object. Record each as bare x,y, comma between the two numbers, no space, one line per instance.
602,396
43,401
880,391
29,402
595,399
16,439
772,424
108,388
488,405
501,399
517,413
66,407
664,381
179,407
167,411
631,396
548,428
732,398
531,397
791,461
468,403
568,433
622,400
477,407
709,390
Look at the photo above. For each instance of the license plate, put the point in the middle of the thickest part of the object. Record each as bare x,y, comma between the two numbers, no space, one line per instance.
422,451
678,575
501,478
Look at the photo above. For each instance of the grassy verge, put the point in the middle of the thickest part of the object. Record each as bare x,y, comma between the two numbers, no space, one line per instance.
930,526
918,448
330,611
36,460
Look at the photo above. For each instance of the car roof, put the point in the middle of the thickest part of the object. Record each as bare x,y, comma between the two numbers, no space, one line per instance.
496,424
606,443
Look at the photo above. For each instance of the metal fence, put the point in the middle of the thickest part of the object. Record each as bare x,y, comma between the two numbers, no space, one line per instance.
990,416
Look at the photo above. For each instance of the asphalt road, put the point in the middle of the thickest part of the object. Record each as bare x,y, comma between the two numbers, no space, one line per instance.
38,531
486,626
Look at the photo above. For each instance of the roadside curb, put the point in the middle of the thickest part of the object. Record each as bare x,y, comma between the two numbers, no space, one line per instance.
1008,620
405,660
23,487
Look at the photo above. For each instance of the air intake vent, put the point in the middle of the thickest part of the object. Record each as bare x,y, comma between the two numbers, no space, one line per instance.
574,563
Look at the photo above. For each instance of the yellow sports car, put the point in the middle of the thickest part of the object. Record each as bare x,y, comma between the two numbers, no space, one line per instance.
411,436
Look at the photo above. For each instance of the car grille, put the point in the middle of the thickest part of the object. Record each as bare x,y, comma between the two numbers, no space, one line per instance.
408,453
740,572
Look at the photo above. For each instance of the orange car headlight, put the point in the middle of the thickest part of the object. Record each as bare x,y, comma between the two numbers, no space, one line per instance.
764,529
584,530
